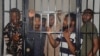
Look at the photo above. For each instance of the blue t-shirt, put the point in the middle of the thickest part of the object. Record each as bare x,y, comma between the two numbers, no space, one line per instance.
36,41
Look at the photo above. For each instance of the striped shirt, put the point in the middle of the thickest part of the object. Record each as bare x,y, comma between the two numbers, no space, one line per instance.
64,50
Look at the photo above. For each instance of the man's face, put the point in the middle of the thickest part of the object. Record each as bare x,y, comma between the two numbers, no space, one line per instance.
65,22
14,17
68,25
36,23
44,23
86,17
51,21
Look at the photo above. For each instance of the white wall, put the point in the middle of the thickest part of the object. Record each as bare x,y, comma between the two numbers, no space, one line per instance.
59,4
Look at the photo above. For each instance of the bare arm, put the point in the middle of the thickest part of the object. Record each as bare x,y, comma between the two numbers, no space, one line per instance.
53,42
70,44
95,48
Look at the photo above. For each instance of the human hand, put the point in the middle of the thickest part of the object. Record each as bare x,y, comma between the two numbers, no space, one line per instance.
59,12
31,13
15,37
66,35
49,30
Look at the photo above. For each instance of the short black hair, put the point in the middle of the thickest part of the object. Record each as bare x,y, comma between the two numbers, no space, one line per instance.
90,11
51,14
72,15
16,11
37,15
43,19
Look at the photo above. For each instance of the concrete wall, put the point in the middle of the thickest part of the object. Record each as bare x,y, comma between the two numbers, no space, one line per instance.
51,4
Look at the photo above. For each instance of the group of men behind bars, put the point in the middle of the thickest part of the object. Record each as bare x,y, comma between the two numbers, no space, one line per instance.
70,44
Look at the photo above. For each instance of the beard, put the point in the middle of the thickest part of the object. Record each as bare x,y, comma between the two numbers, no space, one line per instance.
51,25
37,27
64,28
85,21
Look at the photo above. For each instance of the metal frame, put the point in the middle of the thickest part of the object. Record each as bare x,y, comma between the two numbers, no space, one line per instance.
25,16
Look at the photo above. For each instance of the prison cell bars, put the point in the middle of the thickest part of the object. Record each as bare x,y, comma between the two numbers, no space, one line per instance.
55,24
55,6
86,32
61,24
24,22
78,24
92,26
2,51
41,23
99,29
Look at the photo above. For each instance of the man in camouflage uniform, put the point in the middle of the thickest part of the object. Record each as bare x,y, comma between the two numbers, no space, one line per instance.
13,34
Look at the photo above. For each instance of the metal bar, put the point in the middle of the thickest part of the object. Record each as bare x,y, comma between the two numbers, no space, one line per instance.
48,24
10,8
2,47
86,4
53,11
68,13
16,3
24,15
41,25
48,15
55,24
34,4
86,31
23,20
99,27
9,11
61,22
55,15
86,42
94,12
78,24
92,25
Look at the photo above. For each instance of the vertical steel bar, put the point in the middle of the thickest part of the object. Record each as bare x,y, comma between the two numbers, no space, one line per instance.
16,3
78,24
68,16
86,4
92,25
25,23
55,25
61,21
2,47
34,4
41,25
86,30
10,8
48,26
99,27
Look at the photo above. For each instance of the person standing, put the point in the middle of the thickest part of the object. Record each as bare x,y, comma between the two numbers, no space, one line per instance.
67,39
89,33
13,33
35,40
